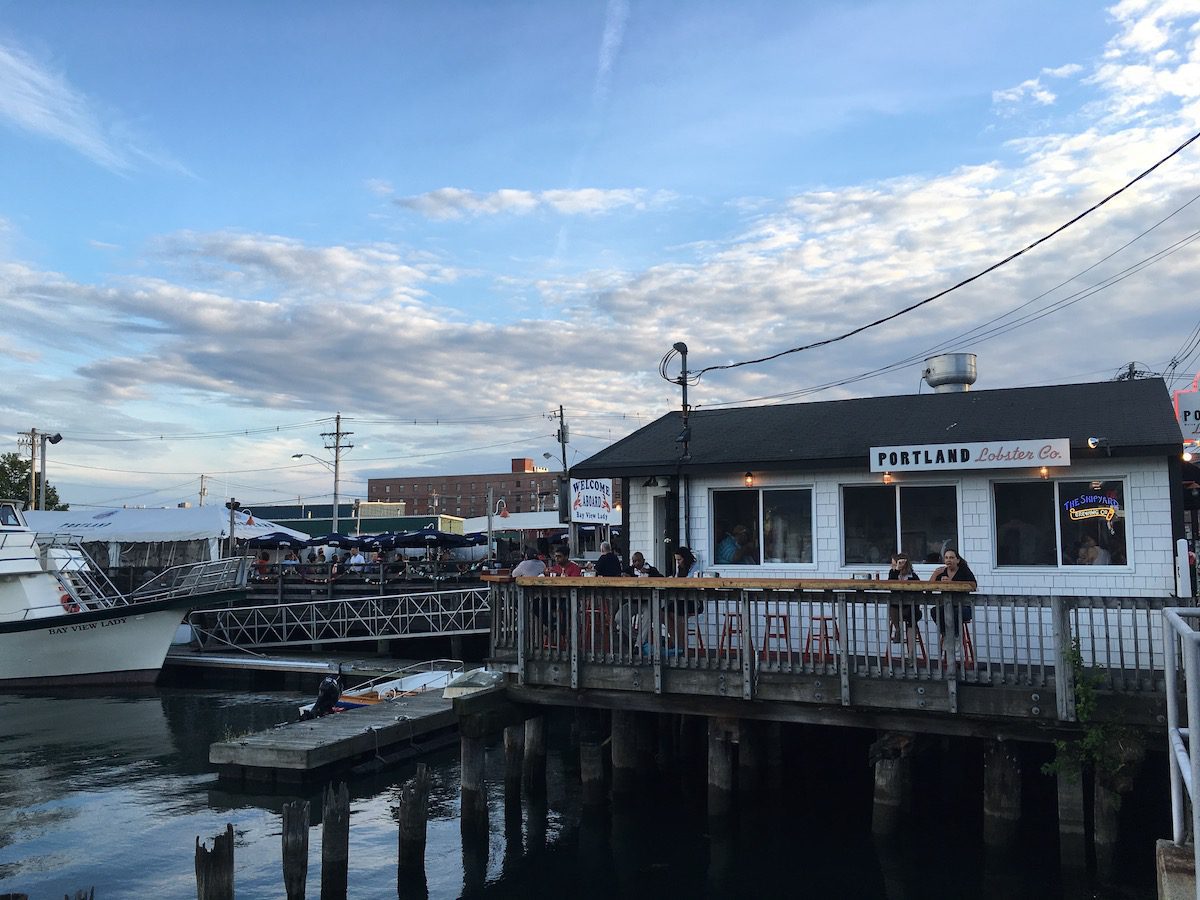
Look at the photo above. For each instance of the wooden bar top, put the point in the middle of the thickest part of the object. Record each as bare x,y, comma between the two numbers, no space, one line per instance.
776,584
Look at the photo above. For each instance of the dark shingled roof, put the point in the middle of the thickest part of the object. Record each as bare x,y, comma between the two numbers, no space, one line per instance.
1137,417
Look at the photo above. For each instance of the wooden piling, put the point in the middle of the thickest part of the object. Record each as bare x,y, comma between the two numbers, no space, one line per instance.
335,842
474,798
590,725
720,767
214,868
750,757
774,755
295,848
514,756
668,736
1001,792
625,753
890,755
1072,834
534,768
414,811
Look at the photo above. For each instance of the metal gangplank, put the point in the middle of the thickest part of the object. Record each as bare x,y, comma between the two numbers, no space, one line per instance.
1180,634
433,613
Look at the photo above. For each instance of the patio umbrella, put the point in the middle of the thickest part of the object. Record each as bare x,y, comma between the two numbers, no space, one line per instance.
274,540
333,539
432,537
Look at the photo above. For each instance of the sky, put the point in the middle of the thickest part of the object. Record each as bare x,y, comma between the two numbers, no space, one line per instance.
222,224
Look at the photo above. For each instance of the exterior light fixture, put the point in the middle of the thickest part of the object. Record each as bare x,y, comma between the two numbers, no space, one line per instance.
749,479
1189,452
887,477
1044,472
1187,455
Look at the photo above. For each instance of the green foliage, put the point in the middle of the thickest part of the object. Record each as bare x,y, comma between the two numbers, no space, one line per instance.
1112,750
14,481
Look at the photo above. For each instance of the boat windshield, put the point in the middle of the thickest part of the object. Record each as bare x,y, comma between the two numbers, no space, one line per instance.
9,516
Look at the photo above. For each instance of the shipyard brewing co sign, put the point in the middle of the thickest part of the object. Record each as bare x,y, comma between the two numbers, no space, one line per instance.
982,455
591,500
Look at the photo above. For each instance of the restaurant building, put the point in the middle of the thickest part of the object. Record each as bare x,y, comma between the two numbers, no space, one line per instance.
1068,489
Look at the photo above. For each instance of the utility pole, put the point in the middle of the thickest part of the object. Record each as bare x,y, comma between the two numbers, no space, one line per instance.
337,434
46,437
203,488
564,436
32,463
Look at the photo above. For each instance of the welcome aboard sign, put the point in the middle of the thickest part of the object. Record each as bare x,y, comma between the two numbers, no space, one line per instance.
981,455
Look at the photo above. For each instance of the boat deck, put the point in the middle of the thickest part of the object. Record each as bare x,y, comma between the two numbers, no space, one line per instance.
305,751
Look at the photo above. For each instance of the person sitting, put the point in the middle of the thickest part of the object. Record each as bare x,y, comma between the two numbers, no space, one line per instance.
609,564
639,568
564,566
955,569
262,567
530,566
906,610
737,547
357,562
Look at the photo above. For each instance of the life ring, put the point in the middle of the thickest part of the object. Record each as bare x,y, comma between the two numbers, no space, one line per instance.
68,603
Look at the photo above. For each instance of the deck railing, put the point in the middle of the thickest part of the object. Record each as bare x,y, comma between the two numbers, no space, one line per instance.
751,630
1181,647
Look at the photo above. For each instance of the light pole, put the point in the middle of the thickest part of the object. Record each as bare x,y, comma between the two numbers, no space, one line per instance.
332,467
53,439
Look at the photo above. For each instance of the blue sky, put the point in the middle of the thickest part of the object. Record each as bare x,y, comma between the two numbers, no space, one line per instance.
222,223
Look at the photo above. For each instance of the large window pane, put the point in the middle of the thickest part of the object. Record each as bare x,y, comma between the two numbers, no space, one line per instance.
1024,523
735,527
787,526
928,522
1092,522
869,515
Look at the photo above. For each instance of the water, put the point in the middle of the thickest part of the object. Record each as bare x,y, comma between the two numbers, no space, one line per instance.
112,791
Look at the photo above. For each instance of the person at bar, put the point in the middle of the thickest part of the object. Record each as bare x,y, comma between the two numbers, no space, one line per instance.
955,568
902,609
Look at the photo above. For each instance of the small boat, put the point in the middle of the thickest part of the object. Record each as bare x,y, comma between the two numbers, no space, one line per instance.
63,622
431,675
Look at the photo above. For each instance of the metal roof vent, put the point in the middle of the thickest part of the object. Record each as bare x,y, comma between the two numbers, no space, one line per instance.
950,372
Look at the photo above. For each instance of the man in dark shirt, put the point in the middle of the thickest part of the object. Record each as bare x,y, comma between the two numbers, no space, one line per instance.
609,564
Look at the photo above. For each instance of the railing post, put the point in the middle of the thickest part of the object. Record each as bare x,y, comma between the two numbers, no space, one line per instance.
655,641
574,620
522,631
747,645
1064,676
843,624
1171,675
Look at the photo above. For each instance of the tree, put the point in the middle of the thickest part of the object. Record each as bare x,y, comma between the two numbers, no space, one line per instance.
14,481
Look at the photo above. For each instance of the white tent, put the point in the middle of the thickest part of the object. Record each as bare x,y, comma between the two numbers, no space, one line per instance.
174,526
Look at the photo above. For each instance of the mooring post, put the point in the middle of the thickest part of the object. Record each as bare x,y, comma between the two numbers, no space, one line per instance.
335,841
474,799
534,774
624,753
721,733
214,868
514,758
414,812
890,755
295,848
1001,792
591,759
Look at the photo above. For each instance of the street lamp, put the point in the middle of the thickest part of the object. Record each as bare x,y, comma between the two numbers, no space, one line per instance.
334,468
53,439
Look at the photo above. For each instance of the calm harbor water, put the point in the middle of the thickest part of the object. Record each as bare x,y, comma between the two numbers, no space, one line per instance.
112,791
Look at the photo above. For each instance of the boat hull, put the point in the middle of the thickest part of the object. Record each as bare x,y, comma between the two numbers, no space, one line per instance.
122,645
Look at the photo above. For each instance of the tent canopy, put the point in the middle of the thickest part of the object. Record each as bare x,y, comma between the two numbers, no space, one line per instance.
150,525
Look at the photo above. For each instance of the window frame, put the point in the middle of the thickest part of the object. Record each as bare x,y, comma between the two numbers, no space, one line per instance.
758,490
1056,512
898,537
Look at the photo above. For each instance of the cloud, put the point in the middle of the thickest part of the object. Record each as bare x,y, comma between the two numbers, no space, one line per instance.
616,14
1031,88
457,203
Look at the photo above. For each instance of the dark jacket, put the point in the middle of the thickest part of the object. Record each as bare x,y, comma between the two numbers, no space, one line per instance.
608,565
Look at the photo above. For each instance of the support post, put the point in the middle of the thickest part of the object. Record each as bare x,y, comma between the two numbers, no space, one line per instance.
624,753
774,754
214,868
534,767
295,848
720,767
514,758
1001,792
414,811
474,799
891,756
750,757
335,842
1072,835
591,760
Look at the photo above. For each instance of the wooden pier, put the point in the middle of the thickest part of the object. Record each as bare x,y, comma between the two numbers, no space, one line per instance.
300,752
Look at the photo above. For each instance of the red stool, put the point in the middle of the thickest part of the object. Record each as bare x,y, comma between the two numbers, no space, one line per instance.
769,633
919,645
819,626
593,613
732,626
968,648
693,628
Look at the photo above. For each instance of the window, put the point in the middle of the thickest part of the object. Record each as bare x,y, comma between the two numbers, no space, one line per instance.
1088,528
774,526
387,488
877,520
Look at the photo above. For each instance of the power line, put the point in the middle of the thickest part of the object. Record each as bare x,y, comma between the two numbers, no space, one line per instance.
859,330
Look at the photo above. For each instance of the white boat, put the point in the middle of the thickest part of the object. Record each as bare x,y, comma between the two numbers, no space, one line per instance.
62,620
432,675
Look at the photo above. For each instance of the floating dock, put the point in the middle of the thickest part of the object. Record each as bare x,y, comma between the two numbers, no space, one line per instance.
300,752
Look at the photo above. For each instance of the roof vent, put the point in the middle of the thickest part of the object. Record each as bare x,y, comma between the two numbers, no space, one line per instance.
950,372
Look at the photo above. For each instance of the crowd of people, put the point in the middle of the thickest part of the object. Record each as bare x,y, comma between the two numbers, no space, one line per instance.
318,567
609,564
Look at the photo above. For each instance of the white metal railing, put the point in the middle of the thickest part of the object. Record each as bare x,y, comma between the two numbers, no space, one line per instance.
1183,753
416,614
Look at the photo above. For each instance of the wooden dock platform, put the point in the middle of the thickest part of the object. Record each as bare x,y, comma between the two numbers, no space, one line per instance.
298,752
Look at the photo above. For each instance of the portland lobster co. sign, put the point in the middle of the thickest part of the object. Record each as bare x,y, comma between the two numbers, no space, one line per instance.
982,455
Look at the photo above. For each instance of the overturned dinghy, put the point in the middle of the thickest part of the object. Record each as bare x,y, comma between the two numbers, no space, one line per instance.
470,682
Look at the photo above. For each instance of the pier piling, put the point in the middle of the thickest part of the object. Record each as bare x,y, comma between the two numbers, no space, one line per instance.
1072,834
893,781
335,842
1001,792
214,868
534,768
414,811
295,848
591,759
721,734
625,770
514,758
474,799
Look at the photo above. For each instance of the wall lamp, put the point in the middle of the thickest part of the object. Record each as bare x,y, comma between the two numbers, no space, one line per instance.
1044,473
1189,452
652,481
887,478
1094,442
749,479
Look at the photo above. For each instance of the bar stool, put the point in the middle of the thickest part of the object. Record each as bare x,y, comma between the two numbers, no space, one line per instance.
732,626
694,630
918,644
770,632
819,626
968,647
596,612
